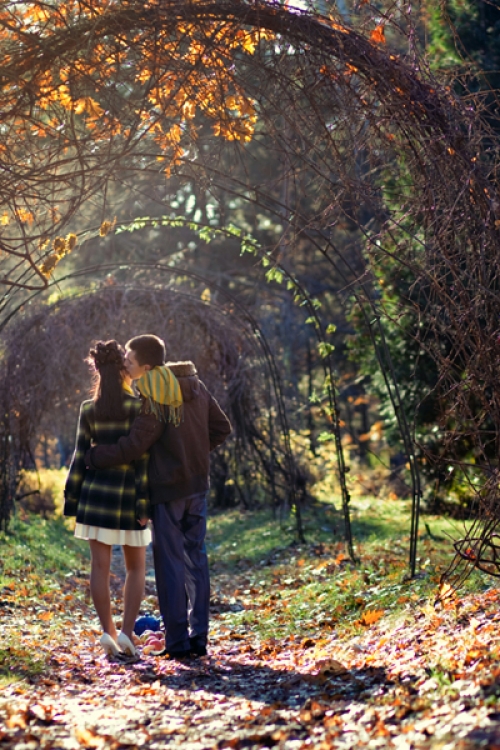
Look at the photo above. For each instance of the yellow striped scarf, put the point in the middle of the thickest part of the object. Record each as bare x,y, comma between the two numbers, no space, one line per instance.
128,390
162,394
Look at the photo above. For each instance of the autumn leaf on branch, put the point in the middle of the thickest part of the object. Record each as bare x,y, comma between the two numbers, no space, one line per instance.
377,36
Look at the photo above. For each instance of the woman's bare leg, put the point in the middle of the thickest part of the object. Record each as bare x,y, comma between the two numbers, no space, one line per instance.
99,584
135,563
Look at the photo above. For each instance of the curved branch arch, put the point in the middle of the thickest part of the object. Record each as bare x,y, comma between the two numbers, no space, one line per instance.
329,99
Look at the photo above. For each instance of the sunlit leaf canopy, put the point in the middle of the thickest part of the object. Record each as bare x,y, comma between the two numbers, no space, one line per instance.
87,88
83,83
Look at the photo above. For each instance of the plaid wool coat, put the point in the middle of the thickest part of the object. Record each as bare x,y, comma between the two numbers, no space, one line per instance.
109,498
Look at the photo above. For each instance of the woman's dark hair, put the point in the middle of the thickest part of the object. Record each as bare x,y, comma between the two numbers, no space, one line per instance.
107,358
149,349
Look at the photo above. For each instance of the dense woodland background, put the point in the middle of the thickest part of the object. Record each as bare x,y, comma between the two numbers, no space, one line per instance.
302,201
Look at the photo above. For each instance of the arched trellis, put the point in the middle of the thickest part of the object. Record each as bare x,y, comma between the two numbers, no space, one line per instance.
404,113
249,327
271,367
257,346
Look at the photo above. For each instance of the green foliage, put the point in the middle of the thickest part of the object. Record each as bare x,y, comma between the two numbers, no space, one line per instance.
205,233
325,349
275,274
38,557
466,31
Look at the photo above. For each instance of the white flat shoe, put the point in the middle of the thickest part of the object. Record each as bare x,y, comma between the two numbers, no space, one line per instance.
125,644
109,645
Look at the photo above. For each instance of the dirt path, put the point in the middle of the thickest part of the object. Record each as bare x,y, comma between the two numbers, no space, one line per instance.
377,690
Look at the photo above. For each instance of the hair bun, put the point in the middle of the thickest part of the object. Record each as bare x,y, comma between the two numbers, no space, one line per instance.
107,353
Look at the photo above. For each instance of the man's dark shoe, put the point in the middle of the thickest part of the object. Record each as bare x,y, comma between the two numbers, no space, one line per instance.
166,654
197,648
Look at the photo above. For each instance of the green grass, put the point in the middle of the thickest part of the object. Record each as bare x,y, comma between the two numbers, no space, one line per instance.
252,537
38,552
300,588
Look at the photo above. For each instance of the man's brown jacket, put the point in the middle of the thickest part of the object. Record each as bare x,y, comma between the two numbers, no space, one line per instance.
179,462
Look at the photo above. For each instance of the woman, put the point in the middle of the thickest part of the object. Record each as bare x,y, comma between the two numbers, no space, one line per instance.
111,505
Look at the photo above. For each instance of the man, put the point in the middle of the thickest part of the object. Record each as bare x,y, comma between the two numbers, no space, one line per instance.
179,432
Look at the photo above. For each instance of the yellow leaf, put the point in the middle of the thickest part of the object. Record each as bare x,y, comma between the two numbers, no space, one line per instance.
71,240
17,721
446,591
65,97
79,106
39,14
25,216
48,265
106,228
189,110
87,738
93,108
205,295
59,246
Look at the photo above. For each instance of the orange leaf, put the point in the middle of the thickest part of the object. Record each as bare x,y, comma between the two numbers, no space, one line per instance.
330,667
236,636
378,34
369,617
46,616
17,721
87,738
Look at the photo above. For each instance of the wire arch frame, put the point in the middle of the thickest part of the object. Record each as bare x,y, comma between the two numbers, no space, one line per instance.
274,375
248,325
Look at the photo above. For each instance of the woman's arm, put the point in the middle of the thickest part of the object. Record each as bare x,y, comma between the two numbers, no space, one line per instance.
77,468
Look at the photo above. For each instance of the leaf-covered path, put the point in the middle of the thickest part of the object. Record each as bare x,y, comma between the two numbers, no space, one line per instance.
427,679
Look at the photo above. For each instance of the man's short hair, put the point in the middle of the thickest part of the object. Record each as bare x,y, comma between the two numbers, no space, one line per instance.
149,349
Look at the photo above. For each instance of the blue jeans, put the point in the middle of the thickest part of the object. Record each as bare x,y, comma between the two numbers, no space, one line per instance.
181,570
